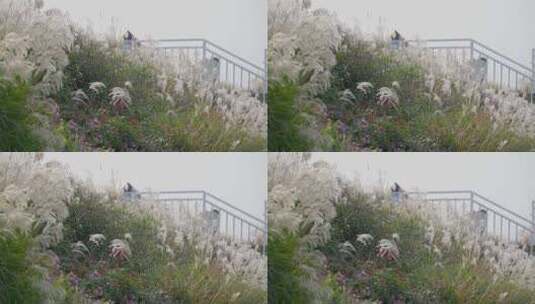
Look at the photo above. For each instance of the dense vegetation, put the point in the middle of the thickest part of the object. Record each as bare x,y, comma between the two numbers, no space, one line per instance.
414,123
61,241
418,275
150,274
350,246
364,95
66,89
149,123
353,272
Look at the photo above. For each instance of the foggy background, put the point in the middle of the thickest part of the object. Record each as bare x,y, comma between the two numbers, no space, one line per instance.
506,178
238,178
506,26
237,25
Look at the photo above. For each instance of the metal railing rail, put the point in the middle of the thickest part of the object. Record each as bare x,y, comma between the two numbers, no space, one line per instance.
500,221
500,69
233,222
228,68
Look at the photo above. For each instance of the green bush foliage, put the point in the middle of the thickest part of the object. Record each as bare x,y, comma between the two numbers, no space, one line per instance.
17,276
284,117
15,118
284,272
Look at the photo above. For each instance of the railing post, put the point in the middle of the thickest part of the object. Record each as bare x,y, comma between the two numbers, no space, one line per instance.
471,201
532,74
471,49
265,236
531,236
204,201
533,214
266,84
204,51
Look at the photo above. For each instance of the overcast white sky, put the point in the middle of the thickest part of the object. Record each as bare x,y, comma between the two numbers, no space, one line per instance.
507,178
238,178
237,25
506,25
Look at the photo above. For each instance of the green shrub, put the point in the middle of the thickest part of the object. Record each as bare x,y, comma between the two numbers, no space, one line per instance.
284,118
17,276
121,134
368,125
360,61
284,272
361,215
388,134
92,215
15,118
92,61
388,285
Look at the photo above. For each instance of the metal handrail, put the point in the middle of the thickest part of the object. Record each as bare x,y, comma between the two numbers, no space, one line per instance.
496,210
208,42
511,66
501,55
474,194
241,70
207,194
232,207
234,215
502,208
475,42
247,222
523,74
233,55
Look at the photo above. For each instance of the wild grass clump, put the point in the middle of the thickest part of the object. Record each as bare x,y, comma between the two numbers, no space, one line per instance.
192,130
459,129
